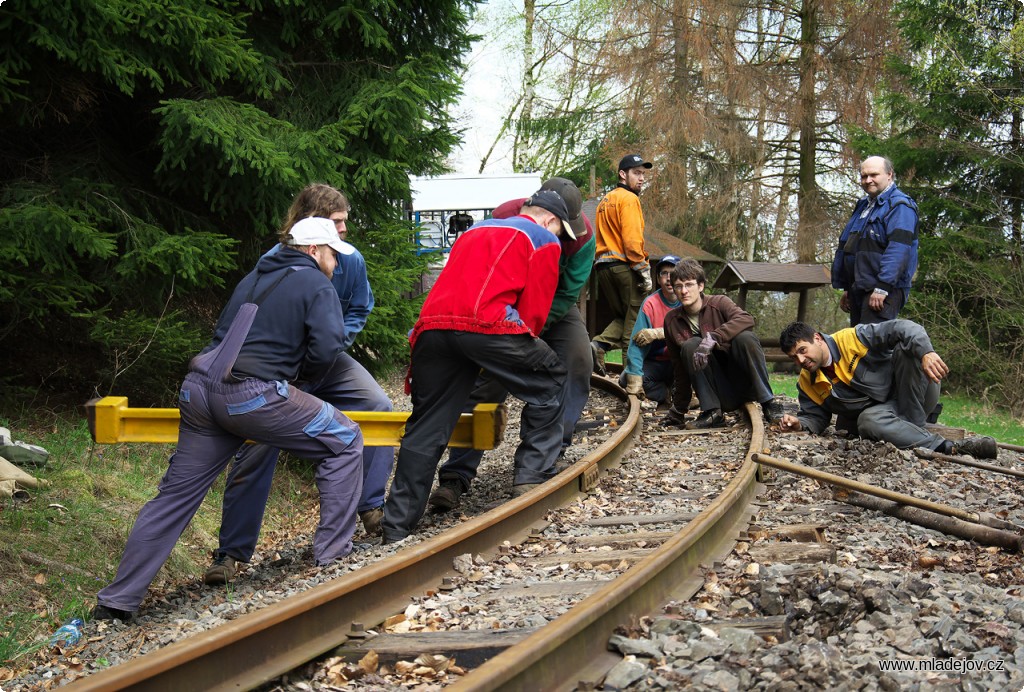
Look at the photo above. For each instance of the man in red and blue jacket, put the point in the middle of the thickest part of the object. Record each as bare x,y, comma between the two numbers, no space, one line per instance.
486,311
564,332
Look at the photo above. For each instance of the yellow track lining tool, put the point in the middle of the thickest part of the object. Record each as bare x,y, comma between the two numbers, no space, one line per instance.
111,421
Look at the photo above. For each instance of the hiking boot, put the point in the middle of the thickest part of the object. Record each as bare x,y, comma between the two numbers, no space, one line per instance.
599,355
982,447
445,498
673,418
102,612
707,419
371,519
523,488
222,571
773,411
561,464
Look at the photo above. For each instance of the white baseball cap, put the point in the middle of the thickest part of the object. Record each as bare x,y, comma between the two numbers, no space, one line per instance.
317,230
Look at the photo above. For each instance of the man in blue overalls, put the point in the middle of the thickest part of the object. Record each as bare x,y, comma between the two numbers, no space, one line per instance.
350,387
876,256
283,323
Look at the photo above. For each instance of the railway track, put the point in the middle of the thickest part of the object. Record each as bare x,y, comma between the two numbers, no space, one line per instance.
528,594
568,526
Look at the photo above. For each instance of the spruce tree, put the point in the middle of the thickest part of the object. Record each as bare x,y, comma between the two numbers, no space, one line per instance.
149,149
955,103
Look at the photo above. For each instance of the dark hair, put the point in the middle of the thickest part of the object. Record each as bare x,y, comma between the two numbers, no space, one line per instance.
316,199
794,332
689,270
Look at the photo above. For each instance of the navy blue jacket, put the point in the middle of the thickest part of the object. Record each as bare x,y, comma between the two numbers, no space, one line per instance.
879,249
299,329
353,289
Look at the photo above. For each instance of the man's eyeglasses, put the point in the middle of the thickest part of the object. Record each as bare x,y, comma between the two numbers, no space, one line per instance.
685,286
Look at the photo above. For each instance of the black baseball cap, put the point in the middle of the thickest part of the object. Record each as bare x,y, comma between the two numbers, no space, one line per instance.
633,161
568,191
552,202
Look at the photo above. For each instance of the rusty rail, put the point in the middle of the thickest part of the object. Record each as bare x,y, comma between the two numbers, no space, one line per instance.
266,644
573,648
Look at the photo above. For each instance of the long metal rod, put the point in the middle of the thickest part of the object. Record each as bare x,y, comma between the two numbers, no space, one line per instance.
842,482
925,454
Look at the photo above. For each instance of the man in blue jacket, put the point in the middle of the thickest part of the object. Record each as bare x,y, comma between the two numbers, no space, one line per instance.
282,324
876,256
350,388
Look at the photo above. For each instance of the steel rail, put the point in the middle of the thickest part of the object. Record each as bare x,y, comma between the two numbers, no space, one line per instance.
573,648
261,646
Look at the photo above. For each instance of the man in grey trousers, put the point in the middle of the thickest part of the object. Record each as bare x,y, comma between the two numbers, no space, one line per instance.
283,323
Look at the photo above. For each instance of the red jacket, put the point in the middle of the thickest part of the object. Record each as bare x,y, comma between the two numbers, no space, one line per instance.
500,278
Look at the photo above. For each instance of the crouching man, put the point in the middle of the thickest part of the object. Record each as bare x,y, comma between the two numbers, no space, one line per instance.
713,348
885,377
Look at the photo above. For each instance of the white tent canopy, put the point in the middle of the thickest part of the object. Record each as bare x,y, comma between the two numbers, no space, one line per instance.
449,193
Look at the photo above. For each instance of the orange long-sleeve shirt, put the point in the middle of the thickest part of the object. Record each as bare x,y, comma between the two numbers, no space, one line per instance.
620,229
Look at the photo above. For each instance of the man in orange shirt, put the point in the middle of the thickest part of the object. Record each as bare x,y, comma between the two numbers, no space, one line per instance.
623,273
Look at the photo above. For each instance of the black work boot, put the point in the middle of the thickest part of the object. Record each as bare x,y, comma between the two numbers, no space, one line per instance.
982,447
446,497
707,419
102,612
773,411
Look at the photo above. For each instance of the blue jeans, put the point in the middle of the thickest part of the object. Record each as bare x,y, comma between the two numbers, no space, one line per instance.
658,378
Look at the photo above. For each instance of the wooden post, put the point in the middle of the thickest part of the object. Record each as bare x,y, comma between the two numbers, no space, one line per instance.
801,309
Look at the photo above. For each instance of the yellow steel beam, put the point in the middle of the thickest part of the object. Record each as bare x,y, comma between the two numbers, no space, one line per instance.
112,421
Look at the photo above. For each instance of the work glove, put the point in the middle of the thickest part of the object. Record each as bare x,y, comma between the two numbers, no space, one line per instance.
674,417
703,353
645,281
643,337
635,385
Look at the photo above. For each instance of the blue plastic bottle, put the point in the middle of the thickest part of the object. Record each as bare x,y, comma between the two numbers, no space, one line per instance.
68,634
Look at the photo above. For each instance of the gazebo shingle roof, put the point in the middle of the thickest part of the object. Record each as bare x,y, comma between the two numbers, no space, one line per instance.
772,276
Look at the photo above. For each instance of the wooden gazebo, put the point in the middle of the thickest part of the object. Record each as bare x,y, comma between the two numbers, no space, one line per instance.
771,276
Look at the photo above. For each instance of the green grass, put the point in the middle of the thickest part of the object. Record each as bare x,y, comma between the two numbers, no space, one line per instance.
62,544
957,412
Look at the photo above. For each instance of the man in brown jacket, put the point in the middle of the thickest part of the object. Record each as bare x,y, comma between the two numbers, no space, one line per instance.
713,348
